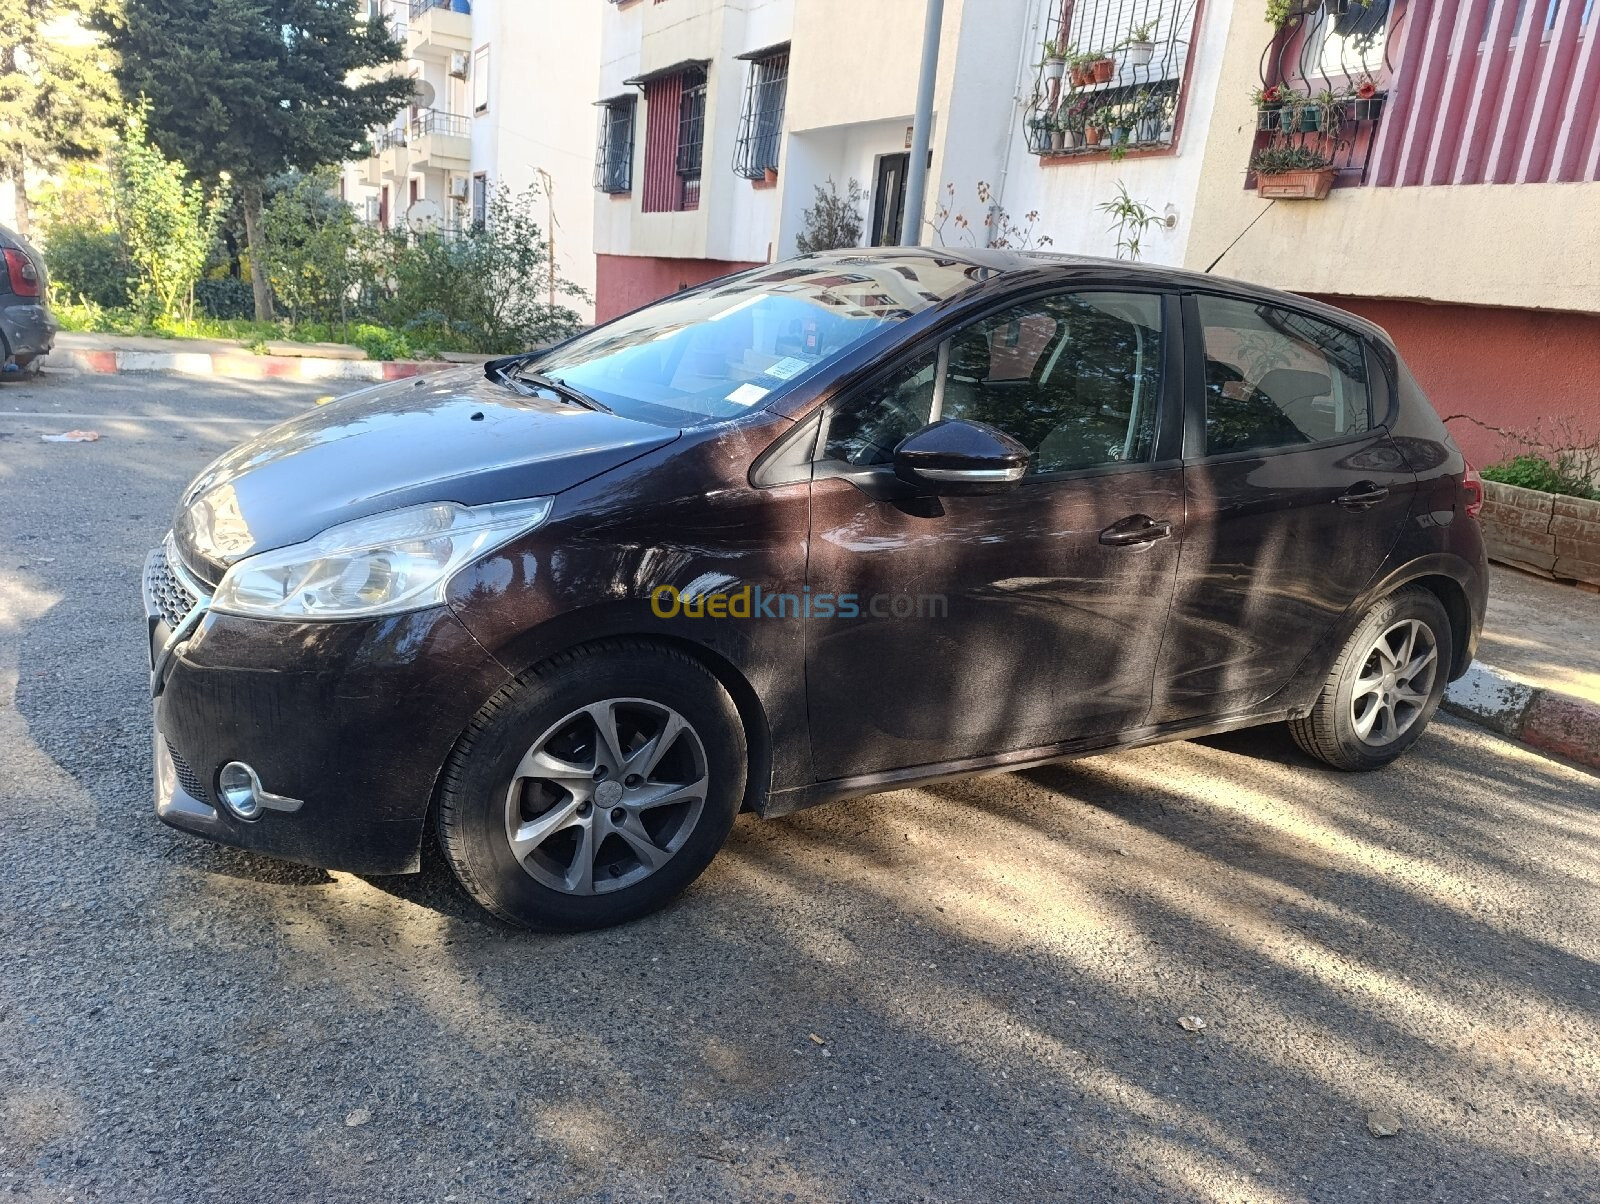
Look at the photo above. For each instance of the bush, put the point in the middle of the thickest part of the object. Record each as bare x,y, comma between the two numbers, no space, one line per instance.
89,262
225,298
379,342
1533,471
833,222
310,245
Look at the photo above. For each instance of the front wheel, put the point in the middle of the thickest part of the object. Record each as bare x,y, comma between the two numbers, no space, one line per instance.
594,789
1385,686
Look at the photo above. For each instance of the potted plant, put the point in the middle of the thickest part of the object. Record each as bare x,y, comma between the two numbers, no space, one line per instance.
1269,103
1367,104
1121,125
1287,173
1140,44
1055,61
1149,115
1096,125
1104,68
1081,67
1072,118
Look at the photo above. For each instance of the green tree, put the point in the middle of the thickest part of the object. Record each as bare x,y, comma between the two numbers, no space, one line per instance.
834,222
256,88
58,98
168,223
309,236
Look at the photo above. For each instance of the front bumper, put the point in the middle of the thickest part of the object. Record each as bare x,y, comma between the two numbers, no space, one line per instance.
355,718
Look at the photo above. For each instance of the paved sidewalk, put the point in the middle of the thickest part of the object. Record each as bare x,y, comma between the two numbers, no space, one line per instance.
1544,632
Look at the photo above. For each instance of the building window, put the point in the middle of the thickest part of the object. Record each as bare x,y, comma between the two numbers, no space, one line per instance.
480,80
480,201
761,123
1122,90
614,164
674,139
691,136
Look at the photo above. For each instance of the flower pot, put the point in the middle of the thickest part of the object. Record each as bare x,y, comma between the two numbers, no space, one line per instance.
1053,68
1267,119
1148,130
1140,53
1091,136
1310,120
1368,108
1073,139
1296,185
1103,70
1058,139
1119,136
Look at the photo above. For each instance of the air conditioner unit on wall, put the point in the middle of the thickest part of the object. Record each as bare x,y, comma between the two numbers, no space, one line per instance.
460,188
459,62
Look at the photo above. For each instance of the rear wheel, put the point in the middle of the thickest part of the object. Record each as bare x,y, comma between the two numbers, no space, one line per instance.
1384,688
594,789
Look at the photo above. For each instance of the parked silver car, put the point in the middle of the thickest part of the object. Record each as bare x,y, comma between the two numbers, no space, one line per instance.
27,327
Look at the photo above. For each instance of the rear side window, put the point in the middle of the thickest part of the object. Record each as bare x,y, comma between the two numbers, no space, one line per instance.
1276,378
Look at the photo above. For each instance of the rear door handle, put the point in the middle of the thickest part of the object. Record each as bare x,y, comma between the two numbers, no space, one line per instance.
1135,529
1362,496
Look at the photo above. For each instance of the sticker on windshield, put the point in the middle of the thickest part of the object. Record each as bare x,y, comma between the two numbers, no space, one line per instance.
787,368
747,395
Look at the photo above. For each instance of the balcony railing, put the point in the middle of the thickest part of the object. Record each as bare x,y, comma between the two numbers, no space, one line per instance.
1111,76
419,7
435,121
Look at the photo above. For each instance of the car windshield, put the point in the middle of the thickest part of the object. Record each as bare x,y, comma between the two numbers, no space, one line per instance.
721,351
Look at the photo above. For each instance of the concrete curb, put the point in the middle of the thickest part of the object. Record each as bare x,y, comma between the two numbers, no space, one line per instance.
1547,719
241,365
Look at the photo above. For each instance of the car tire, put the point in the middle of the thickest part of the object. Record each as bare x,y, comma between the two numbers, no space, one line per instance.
1385,686
547,847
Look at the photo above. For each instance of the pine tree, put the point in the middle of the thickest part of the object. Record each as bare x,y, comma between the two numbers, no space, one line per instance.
58,99
255,88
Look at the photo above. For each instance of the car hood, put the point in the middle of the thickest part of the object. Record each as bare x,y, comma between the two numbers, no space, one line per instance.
453,436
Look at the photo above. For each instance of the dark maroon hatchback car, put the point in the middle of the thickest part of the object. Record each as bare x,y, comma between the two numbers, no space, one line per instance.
822,528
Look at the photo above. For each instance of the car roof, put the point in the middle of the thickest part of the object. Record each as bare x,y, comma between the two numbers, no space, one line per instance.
1009,265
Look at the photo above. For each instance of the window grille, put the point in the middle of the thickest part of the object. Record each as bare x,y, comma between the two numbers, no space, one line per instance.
691,133
761,123
614,164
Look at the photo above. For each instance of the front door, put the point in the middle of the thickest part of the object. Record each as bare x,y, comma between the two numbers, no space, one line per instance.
945,628
889,200
1296,495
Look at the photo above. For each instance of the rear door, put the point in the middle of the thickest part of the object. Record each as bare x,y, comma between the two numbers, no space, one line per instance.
1295,496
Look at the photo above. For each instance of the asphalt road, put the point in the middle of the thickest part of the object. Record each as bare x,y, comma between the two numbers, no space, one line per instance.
965,992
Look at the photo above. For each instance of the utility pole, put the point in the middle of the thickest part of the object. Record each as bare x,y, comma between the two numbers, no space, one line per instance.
550,233
917,172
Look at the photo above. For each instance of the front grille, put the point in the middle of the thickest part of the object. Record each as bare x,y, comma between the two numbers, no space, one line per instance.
187,778
166,589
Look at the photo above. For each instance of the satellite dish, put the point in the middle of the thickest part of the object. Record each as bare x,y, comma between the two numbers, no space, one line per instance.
422,215
424,95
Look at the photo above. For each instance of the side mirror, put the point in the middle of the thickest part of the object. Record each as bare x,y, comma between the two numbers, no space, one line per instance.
954,457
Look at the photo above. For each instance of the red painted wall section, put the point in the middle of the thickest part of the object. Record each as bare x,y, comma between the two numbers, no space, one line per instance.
624,282
1516,369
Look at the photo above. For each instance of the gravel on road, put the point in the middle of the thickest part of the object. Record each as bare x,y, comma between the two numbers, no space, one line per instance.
968,991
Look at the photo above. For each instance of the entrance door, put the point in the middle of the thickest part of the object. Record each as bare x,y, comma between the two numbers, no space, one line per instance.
949,627
889,199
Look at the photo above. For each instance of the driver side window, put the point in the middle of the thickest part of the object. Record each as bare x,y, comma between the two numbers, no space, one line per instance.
1075,377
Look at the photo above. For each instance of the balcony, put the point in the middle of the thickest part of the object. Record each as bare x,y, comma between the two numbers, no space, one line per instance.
441,142
372,170
437,30
394,157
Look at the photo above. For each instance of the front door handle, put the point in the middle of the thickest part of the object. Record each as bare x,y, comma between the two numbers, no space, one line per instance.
1362,496
1135,529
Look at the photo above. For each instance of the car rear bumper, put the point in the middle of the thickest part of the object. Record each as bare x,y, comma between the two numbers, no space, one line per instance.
353,719
29,330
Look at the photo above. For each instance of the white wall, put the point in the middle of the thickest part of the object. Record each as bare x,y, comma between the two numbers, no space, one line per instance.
545,69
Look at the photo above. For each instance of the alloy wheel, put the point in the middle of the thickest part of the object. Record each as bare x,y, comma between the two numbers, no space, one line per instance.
606,796
1395,682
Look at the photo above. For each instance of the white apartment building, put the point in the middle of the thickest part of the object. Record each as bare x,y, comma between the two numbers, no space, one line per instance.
719,118
505,93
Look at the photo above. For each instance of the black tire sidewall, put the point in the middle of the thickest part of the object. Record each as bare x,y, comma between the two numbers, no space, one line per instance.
1406,604
477,789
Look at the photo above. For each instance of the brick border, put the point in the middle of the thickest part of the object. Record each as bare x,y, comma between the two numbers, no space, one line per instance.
243,366
1546,719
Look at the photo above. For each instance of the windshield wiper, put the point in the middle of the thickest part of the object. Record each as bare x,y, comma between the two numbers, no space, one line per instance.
509,374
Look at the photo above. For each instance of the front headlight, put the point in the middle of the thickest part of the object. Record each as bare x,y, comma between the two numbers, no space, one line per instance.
381,565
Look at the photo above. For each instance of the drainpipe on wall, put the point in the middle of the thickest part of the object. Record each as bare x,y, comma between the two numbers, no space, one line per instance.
917,172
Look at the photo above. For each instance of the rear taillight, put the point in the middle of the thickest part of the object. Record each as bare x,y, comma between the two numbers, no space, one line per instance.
23,275
1472,486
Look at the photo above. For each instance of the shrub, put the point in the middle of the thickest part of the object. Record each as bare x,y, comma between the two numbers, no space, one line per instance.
833,221
224,297
90,262
309,242
1531,470
379,342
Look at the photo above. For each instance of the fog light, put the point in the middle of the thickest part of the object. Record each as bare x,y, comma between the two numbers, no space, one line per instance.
240,789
